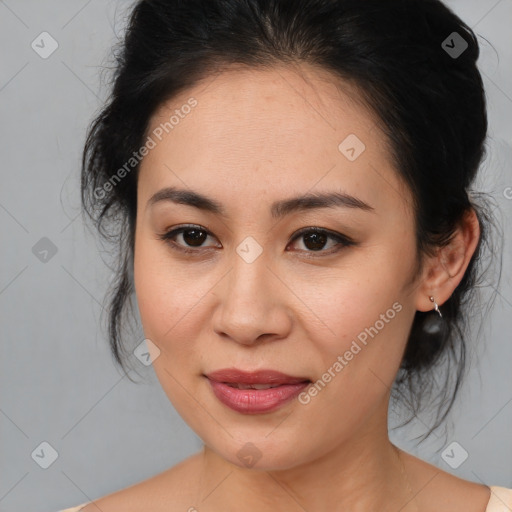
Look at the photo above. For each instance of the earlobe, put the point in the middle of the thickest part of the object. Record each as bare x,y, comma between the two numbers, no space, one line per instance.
436,306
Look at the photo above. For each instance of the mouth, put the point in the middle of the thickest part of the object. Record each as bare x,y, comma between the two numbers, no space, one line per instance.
255,392
240,385
259,379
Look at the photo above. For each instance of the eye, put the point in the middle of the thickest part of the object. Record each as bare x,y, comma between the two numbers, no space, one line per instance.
315,239
193,236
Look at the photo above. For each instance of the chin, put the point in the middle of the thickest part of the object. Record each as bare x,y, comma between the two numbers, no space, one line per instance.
259,452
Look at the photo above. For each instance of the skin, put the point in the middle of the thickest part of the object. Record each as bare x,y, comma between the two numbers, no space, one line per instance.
255,137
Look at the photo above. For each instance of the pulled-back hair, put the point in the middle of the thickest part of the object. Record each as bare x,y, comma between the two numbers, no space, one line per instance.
429,102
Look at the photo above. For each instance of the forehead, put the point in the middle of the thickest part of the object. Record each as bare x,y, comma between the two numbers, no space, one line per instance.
294,102
284,128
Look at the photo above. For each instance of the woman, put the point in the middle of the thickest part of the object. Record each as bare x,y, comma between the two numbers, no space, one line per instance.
290,182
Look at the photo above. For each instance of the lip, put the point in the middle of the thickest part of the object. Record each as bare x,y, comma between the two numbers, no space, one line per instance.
255,401
234,375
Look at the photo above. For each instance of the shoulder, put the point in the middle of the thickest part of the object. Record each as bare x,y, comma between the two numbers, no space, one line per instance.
501,499
436,489
173,487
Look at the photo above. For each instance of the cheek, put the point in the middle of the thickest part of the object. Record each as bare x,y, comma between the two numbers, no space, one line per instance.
343,302
362,315
163,294
171,300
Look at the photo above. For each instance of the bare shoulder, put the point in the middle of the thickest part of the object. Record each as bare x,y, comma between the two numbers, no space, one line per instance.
438,490
170,490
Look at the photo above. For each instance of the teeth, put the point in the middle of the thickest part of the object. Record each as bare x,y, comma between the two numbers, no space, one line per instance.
252,386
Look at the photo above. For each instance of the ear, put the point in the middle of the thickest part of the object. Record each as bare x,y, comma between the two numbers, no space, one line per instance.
444,271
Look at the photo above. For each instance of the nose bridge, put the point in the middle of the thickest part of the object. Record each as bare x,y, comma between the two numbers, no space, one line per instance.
248,280
248,262
250,302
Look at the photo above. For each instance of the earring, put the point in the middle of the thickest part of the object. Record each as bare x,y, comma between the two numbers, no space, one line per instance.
436,307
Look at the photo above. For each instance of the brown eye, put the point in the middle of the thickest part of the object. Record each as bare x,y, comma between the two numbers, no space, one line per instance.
191,236
315,240
194,237
190,239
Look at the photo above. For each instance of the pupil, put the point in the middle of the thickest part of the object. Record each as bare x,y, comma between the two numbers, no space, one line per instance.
319,240
197,239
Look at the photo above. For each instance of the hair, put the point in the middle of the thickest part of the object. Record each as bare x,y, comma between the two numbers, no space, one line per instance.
430,106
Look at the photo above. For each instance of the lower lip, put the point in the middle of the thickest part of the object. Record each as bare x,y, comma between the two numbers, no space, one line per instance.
255,401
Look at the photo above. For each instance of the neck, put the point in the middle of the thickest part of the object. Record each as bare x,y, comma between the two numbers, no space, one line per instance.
364,473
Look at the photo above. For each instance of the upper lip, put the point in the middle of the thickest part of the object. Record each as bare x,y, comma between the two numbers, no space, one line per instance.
234,375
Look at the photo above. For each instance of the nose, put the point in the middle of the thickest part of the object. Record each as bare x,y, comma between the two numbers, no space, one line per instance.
252,304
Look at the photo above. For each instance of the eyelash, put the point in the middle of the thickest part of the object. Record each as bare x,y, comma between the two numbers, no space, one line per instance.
343,241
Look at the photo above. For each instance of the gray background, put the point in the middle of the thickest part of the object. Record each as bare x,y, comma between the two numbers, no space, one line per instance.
59,384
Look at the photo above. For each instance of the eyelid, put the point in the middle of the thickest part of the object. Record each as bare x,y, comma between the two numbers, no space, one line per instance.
343,240
172,232
333,234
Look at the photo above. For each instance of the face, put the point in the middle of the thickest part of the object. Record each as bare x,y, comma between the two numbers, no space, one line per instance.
249,284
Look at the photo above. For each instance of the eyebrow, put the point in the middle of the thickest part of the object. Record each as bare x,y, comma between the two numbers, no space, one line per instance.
278,209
